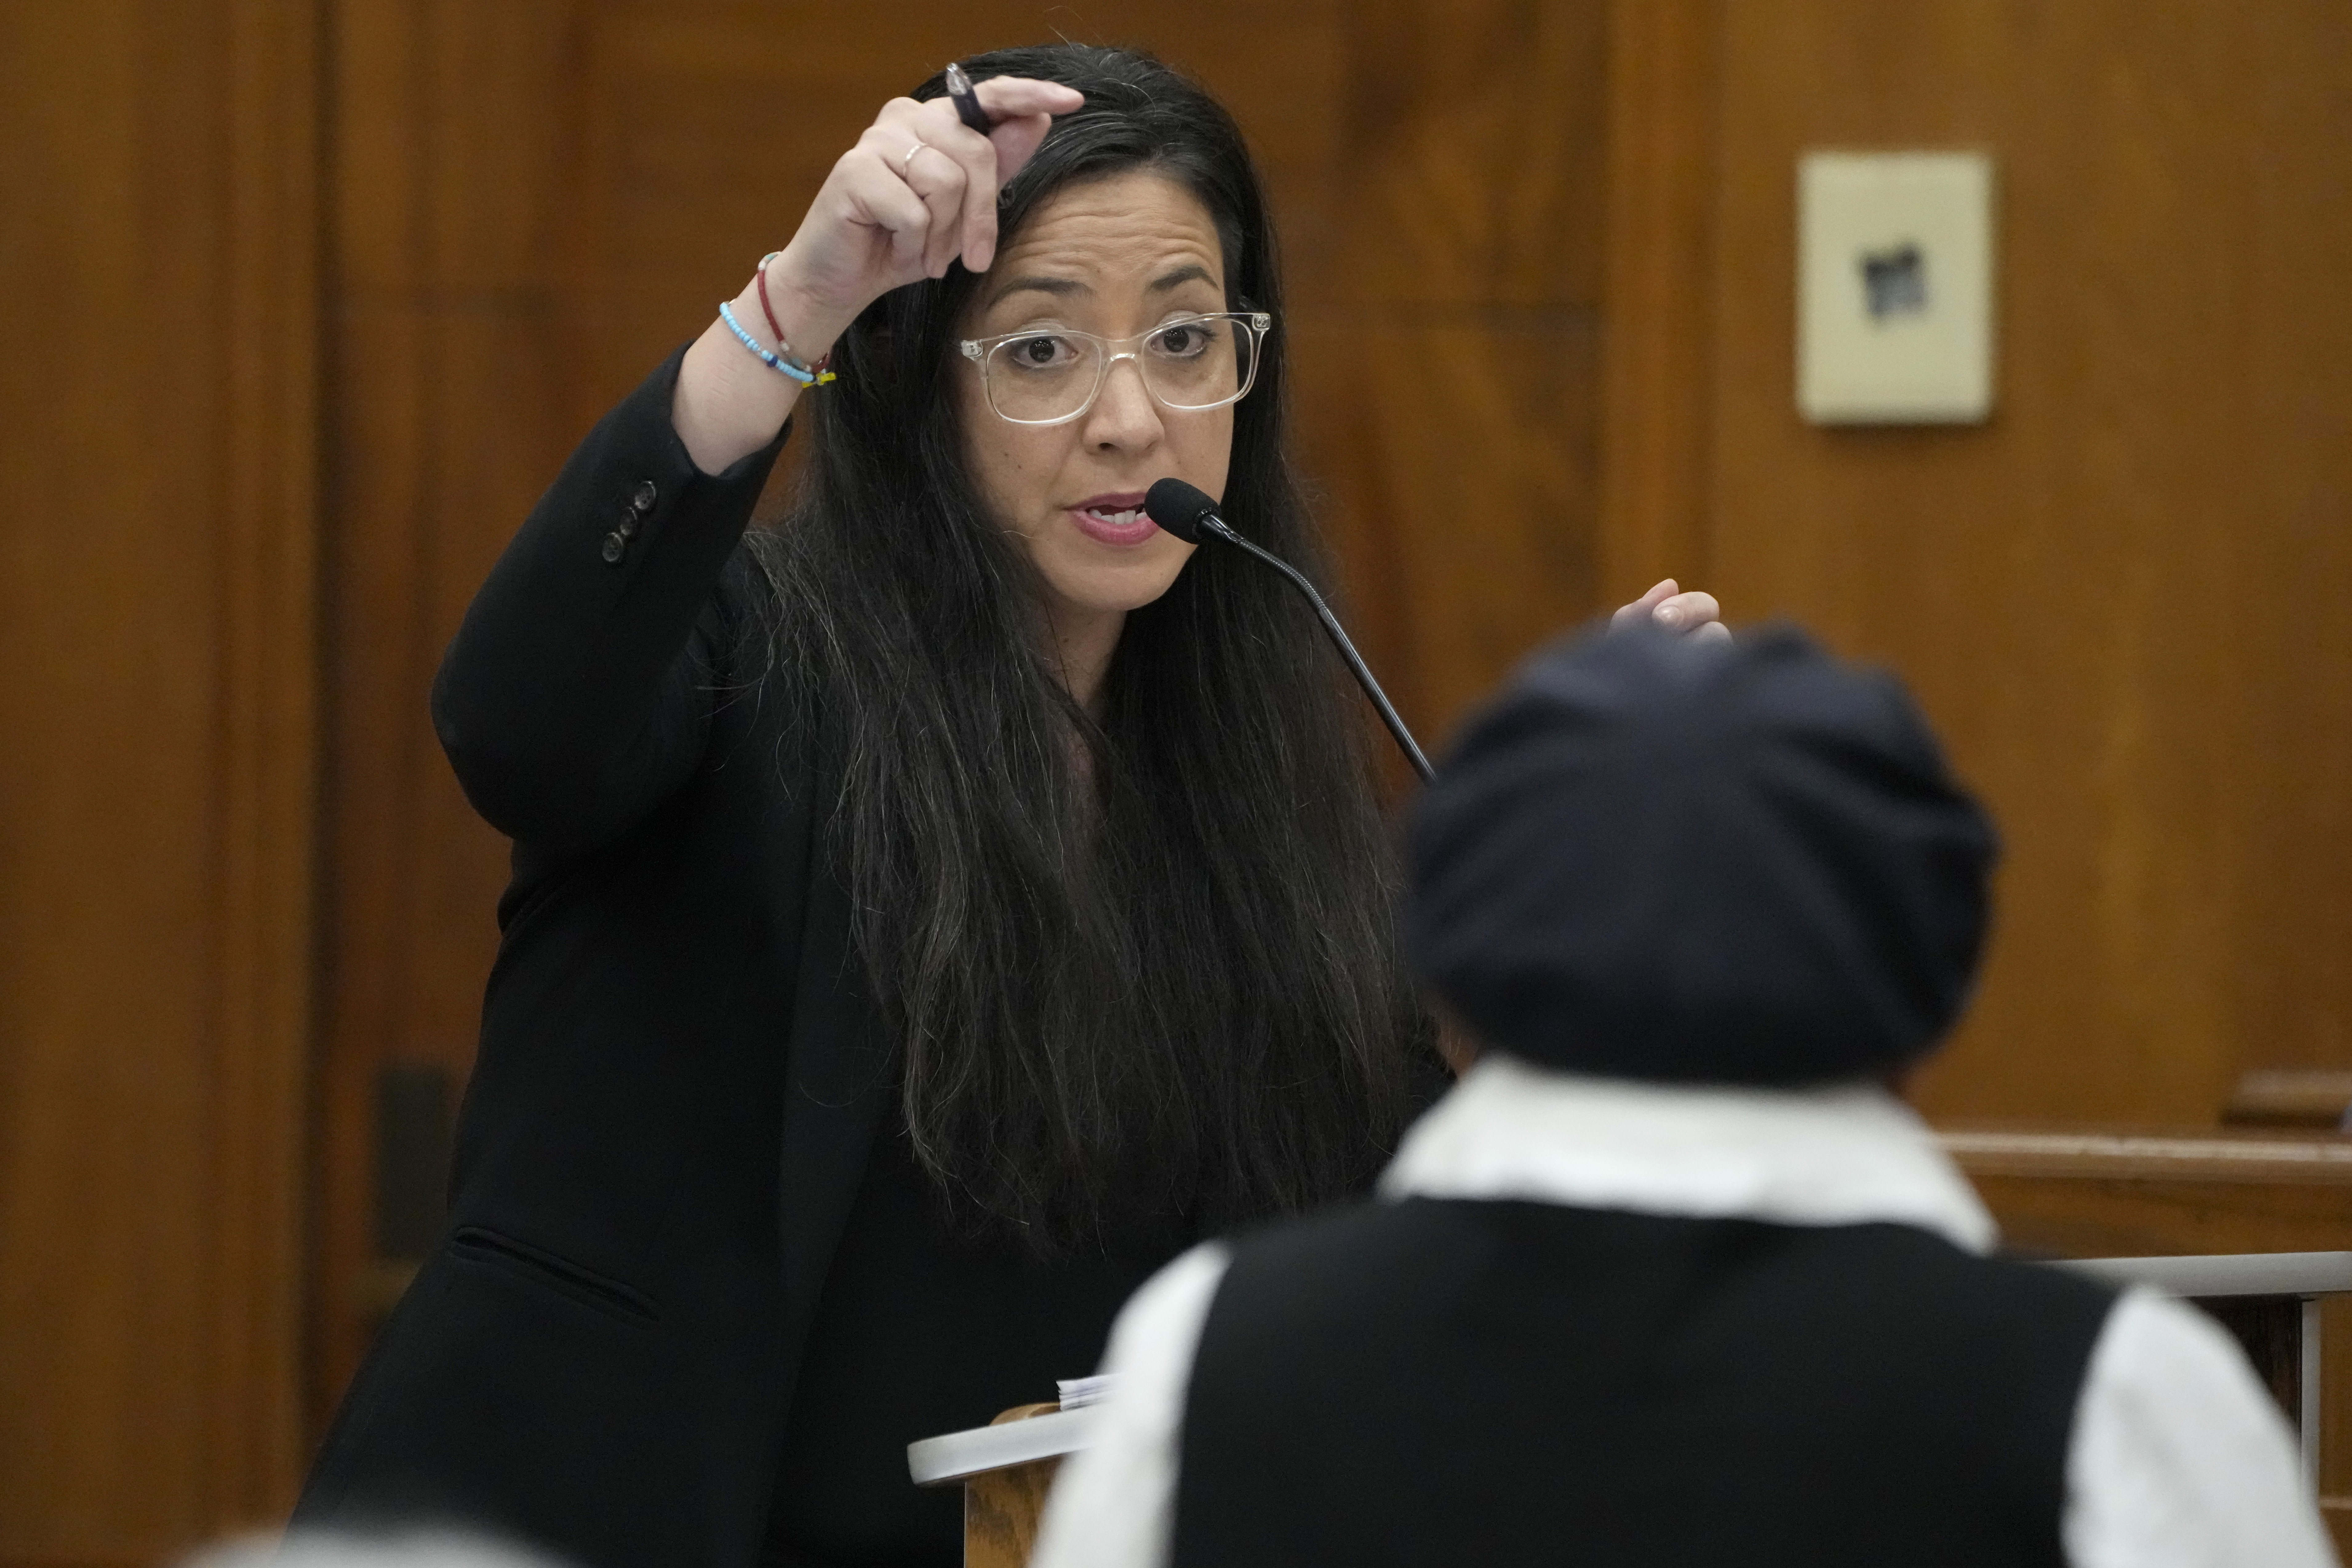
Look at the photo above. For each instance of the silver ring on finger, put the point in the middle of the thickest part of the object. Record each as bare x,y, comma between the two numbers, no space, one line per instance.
909,158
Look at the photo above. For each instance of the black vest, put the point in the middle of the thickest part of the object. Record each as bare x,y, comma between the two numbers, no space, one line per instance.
1451,1382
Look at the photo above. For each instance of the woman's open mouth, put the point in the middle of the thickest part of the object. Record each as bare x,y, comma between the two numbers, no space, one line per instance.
1118,519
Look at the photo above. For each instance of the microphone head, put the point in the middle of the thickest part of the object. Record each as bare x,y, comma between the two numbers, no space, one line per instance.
1179,508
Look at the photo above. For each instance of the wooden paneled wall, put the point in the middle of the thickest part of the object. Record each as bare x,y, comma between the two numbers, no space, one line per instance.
156,769
2123,600
454,357
534,201
1541,261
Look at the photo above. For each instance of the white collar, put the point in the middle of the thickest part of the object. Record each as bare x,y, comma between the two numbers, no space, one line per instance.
1848,1154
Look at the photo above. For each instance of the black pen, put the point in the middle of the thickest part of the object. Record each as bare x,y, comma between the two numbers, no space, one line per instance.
967,101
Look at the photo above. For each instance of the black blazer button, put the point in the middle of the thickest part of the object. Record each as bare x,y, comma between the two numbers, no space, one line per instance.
627,527
613,545
645,496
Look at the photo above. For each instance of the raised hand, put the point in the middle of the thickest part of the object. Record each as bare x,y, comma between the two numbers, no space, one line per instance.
1691,615
917,190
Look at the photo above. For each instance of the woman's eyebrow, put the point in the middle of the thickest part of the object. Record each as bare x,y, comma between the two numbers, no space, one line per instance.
1058,287
1188,273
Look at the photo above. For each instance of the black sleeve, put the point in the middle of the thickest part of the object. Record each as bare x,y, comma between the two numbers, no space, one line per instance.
578,691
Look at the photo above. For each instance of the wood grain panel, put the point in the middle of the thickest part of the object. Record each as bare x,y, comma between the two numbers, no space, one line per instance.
2121,598
156,864
1460,496
453,403
266,757
1658,328
1471,157
1446,351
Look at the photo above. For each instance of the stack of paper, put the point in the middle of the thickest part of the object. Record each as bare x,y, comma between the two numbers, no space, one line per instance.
1077,1392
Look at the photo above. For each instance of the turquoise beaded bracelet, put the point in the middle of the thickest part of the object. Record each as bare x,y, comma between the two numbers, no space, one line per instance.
774,361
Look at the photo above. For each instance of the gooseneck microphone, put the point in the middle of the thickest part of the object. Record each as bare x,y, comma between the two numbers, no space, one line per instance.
1191,515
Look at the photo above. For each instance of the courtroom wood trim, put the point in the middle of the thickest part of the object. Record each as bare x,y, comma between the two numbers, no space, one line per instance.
267,849
2152,1157
2289,1096
160,945
1658,329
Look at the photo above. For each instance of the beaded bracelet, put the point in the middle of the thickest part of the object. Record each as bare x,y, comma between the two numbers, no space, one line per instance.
776,329
814,376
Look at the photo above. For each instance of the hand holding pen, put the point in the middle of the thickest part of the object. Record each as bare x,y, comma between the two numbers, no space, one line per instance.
916,191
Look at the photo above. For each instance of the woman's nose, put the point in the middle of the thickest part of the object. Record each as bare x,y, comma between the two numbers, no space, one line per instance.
1124,414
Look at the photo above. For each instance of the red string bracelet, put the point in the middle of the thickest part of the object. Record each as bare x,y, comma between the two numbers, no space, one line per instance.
776,328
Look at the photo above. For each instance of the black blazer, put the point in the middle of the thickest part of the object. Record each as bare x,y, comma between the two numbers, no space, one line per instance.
679,1075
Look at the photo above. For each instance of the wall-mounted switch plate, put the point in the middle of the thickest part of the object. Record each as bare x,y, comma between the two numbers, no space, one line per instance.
1895,287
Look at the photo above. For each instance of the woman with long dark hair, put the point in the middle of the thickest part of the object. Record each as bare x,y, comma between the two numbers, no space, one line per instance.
928,917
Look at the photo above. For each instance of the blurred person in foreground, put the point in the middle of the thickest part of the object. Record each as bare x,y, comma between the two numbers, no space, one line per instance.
357,1549
1672,1276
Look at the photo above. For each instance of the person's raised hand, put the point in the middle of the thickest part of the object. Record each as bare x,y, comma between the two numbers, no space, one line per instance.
917,190
1689,614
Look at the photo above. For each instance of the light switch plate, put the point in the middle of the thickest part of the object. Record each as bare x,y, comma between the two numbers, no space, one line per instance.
1895,287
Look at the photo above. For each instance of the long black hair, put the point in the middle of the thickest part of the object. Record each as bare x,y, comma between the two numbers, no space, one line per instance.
1160,976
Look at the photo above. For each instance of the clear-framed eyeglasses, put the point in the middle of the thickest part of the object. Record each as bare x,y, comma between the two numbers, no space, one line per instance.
1050,375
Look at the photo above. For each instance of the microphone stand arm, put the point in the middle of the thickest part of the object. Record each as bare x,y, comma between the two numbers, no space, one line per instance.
1215,524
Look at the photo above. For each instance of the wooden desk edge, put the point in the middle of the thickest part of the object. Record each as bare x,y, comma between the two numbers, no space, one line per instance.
2122,1157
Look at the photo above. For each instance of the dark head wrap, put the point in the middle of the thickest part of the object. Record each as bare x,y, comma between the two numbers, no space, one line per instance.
1655,857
